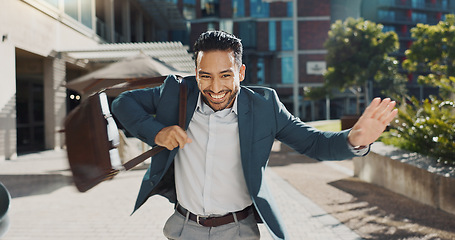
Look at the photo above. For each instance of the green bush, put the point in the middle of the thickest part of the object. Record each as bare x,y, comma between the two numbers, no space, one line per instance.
426,127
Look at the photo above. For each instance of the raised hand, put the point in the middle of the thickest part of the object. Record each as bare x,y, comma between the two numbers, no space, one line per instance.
172,137
372,122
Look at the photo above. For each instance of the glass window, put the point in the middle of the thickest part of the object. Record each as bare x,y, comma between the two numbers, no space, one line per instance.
258,8
52,2
227,26
71,8
238,8
287,36
272,35
290,9
287,73
211,26
419,17
387,28
247,32
86,13
386,15
210,8
189,9
261,71
418,3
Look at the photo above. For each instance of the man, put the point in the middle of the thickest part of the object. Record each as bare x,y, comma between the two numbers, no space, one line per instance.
220,158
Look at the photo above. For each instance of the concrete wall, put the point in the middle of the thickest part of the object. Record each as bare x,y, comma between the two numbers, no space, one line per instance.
416,183
33,26
41,30
7,100
54,101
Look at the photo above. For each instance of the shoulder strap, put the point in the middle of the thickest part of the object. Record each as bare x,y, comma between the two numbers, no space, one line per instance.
182,117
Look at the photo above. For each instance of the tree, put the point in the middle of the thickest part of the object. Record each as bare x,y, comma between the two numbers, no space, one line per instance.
357,53
433,55
427,126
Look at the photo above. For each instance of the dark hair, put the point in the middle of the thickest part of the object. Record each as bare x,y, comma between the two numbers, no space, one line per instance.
219,40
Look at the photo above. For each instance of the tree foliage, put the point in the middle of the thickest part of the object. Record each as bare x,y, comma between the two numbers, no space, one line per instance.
357,52
433,54
426,128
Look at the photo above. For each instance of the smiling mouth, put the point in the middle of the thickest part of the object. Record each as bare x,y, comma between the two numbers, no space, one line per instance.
217,96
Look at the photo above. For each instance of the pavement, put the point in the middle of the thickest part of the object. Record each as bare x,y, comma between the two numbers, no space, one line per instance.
317,200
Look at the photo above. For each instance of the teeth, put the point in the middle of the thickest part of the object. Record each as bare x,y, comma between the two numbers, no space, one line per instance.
217,96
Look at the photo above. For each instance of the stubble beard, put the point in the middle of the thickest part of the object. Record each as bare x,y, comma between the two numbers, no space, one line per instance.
220,106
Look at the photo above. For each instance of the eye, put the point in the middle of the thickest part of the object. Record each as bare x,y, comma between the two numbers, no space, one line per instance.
226,75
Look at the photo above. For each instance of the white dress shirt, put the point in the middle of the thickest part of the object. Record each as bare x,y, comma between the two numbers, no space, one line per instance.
208,172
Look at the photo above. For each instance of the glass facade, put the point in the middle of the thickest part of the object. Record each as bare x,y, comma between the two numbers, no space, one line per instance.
238,8
80,10
247,32
272,35
418,3
419,17
210,8
189,9
287,73
258,8
289,9
86,13
71,8
388,28
261,71
227,26
386,15
287,36
52,2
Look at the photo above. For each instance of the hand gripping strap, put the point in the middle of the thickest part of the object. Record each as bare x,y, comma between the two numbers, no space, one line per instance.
182,117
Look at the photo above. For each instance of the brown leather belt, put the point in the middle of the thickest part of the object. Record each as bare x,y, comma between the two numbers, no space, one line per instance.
216,221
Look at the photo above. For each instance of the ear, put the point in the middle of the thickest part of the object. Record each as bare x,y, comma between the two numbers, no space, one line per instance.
242,72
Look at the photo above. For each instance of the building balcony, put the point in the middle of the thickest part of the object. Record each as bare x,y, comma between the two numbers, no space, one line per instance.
408,4
395,4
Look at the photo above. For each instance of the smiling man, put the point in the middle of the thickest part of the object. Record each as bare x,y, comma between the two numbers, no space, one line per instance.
219,76
213,169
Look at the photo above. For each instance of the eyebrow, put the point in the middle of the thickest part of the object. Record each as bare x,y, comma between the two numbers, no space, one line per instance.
224,71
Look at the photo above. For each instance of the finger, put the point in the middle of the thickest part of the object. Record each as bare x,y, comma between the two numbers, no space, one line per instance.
385,114
381,108
369,111
391,116
181,137
171,145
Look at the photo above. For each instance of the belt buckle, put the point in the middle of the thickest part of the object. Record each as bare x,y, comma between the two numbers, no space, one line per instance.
198,220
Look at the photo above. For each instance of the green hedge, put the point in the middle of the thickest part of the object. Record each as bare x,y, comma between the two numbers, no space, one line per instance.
426,127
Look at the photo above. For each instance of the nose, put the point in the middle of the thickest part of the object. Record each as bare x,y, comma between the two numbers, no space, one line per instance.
216,85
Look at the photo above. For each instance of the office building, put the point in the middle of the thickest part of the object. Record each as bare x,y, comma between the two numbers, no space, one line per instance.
45,43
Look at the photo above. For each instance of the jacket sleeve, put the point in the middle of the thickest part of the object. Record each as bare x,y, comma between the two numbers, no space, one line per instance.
136,111
308,140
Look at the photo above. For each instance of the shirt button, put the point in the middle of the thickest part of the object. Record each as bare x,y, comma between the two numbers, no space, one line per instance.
152,184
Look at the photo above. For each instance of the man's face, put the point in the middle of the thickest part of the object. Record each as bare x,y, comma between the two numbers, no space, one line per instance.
218,78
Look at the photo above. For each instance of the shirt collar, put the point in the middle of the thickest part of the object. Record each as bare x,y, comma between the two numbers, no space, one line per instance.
204,108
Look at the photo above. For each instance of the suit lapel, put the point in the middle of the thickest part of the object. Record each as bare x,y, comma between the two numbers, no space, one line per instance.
193,94
245,110
191,106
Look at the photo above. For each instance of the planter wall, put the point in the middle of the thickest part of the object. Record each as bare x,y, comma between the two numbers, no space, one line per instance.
429,188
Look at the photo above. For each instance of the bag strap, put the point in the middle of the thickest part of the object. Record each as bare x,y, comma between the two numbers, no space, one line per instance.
182,117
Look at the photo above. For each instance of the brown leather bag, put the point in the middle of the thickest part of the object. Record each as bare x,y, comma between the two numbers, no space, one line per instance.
92,138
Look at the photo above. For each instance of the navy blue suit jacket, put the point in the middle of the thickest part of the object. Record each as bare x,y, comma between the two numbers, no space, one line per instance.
262,118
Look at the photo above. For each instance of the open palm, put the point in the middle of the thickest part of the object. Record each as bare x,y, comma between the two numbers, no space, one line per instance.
372,122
